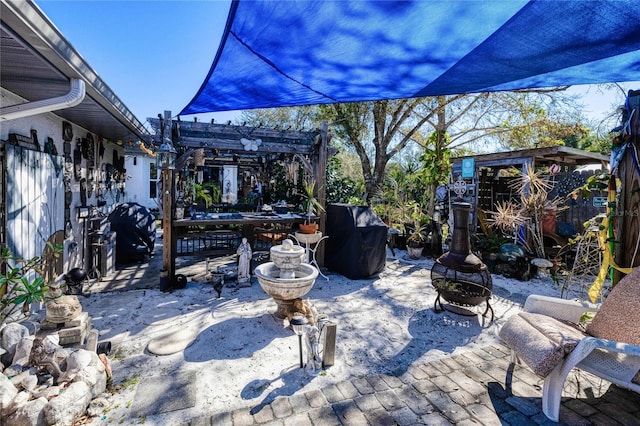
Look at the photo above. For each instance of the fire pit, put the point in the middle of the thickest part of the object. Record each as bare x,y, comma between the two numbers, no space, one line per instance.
459,276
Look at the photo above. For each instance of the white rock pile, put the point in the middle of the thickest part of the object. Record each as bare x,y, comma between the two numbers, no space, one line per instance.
43,383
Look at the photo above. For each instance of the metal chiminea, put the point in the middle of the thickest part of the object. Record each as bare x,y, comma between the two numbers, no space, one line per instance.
459,276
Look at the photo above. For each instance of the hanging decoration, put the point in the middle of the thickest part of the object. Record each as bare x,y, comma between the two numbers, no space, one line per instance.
251,144
607,243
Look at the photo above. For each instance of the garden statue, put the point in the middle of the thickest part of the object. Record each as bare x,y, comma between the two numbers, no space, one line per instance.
43,356
61,308
314,361
244,262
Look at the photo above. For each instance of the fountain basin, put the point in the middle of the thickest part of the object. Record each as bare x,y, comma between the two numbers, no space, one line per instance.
285,290
287,257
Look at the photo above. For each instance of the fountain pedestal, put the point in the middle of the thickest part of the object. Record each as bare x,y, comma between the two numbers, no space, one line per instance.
286,278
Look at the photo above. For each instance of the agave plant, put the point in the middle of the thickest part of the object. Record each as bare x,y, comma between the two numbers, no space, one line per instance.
311,204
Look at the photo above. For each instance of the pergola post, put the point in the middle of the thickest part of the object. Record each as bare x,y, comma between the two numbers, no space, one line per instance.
320,174
168,238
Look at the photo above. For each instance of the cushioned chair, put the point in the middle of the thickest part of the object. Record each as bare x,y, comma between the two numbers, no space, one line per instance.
546,336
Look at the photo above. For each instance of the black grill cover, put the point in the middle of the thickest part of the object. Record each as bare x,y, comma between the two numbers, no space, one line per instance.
357,243
135,229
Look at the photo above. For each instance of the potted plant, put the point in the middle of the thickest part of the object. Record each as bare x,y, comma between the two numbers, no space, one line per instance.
24,281
312,207
416,241
417,231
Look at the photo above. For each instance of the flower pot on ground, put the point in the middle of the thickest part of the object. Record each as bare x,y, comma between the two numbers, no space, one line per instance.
415,252
416,241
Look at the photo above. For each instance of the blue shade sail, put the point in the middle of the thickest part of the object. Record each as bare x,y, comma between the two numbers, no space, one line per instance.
291,53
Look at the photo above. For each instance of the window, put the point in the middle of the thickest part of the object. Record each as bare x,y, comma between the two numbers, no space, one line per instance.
153,180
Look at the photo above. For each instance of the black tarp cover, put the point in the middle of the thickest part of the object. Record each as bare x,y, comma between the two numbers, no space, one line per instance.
135,229
357,243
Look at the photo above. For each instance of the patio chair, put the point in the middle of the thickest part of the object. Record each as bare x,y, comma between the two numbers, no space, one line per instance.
546,336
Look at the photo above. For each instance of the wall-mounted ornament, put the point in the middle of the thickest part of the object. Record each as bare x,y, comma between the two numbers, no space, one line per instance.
77,160
34,138
91,150
83,191
100,147
50,147
90,181
23,141
67,131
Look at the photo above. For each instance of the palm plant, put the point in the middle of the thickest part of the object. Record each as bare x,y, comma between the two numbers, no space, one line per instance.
310,204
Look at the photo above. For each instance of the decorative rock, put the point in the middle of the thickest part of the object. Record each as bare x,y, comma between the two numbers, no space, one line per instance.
7,392
96,380
48,392
98,405
19,401
69,405
29,383
23,350
18,378
77,361
63,309
28,414
51,342
13,370
6,359
12,334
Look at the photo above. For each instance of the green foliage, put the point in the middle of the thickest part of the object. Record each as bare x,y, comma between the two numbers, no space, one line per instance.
596,182
204,193
340,187
279,187
22,282
310,203
417,237
436,163
490,243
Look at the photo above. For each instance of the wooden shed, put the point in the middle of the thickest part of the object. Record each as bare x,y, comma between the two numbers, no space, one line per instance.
486,183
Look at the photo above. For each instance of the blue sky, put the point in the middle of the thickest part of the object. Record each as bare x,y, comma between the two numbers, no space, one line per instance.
155,54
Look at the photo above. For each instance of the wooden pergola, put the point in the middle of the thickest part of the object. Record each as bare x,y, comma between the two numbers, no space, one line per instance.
226,143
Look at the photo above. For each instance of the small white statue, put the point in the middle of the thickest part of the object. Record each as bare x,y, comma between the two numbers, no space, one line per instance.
244,262
314,360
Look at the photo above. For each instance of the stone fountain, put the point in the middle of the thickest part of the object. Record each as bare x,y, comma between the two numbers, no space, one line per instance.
286,278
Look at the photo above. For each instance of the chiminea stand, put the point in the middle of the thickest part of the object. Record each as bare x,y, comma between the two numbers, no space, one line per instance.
459,276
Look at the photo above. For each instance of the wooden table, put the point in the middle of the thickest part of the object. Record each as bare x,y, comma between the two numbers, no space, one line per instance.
221,233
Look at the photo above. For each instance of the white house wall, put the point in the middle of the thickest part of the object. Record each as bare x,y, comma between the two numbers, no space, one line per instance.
50,125
138,181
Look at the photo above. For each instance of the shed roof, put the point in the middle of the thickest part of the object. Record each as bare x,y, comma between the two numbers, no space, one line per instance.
561,155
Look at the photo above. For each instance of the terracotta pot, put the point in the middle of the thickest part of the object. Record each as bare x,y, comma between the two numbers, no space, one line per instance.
310,228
